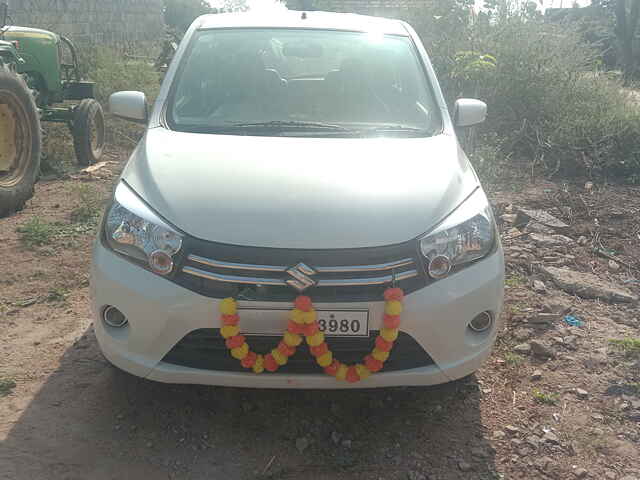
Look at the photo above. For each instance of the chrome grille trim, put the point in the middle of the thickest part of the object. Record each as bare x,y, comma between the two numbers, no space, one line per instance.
232,278
236,266
310,275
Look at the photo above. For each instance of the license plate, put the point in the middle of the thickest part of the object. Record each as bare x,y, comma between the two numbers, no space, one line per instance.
334,323
344,323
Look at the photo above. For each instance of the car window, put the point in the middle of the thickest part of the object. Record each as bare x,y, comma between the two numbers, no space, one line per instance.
288,80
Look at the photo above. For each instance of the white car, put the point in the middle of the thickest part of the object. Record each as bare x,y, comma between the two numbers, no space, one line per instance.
302,153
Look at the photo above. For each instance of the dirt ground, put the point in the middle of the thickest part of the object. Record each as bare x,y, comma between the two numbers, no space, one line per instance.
553,402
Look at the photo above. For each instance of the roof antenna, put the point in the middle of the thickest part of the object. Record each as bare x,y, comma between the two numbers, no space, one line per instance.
304,15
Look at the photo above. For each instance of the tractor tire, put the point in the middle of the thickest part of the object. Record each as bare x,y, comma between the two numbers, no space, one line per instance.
88,132
20,142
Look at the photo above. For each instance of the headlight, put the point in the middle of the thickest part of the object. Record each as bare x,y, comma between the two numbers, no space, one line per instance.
466,235
132,229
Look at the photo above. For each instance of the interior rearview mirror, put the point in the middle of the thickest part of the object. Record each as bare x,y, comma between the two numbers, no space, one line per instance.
129,105
469,111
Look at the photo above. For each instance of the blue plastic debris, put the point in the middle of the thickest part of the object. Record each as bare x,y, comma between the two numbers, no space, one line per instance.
573,321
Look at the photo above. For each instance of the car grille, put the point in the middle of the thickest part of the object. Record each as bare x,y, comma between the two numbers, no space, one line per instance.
205,349
272,274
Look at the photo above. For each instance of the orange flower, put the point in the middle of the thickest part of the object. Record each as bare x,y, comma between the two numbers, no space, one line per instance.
352,375
382,344
393,294
285,349
250,360
230,319
296,328
315,339
333,368
319,350
235,342
270,363
325,360
372,364
311,329
391,321
303,303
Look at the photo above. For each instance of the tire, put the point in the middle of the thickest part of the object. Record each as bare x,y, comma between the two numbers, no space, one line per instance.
88,132
20,142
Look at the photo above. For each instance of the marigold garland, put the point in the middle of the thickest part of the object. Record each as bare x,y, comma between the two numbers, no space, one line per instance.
303,322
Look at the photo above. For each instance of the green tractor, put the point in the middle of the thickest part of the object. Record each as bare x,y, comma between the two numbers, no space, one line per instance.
35,86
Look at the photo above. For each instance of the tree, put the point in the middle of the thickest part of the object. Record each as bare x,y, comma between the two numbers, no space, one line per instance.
626,22
179,14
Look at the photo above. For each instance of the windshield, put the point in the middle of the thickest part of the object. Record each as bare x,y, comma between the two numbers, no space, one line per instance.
299,82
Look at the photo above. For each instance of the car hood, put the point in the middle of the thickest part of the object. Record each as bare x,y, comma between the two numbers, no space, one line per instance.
293,192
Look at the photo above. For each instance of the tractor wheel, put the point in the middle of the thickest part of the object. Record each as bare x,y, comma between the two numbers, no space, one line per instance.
20,142
88,132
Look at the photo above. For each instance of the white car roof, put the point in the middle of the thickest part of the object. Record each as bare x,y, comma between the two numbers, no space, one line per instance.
294,19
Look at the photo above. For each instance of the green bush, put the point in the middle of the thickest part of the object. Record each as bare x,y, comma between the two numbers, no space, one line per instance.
548,102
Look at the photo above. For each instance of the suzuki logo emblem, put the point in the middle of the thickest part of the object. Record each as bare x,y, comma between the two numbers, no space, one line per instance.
301,277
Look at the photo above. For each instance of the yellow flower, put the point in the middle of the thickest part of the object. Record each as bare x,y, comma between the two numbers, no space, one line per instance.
309,317
389,334
278,357
342,372
393,307
292,339
315,339
240,352
325,360
229,331
363,371
380,355
297,316
228,306
258,367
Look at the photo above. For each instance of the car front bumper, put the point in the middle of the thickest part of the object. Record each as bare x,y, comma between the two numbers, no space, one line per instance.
161,313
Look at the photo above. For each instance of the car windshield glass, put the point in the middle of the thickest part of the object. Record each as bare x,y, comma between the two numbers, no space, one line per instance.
302,82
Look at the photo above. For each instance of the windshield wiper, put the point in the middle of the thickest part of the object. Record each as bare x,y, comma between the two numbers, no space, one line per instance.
397,129
292,124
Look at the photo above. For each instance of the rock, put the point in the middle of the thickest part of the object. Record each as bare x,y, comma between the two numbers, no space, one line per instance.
570,341
614,266
550,241
478,452
539,286
302,444
550,437
509,217
544,318
582,240
582,394
597,416
498,434
533,440
539,228
587,285
464,466
523,451
413,475
556,306
543,217
522,348
542,463
536,375
629,477
541,350
580,473
609,475
336,437
521,334
511,430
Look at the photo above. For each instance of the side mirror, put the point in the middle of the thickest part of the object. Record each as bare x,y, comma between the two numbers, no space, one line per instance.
468,111
4,13
130,106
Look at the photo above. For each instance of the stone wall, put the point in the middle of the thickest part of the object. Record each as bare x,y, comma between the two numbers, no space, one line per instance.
113,22
382,8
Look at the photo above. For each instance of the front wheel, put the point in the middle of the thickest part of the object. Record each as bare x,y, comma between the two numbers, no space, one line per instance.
20,142
88,132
